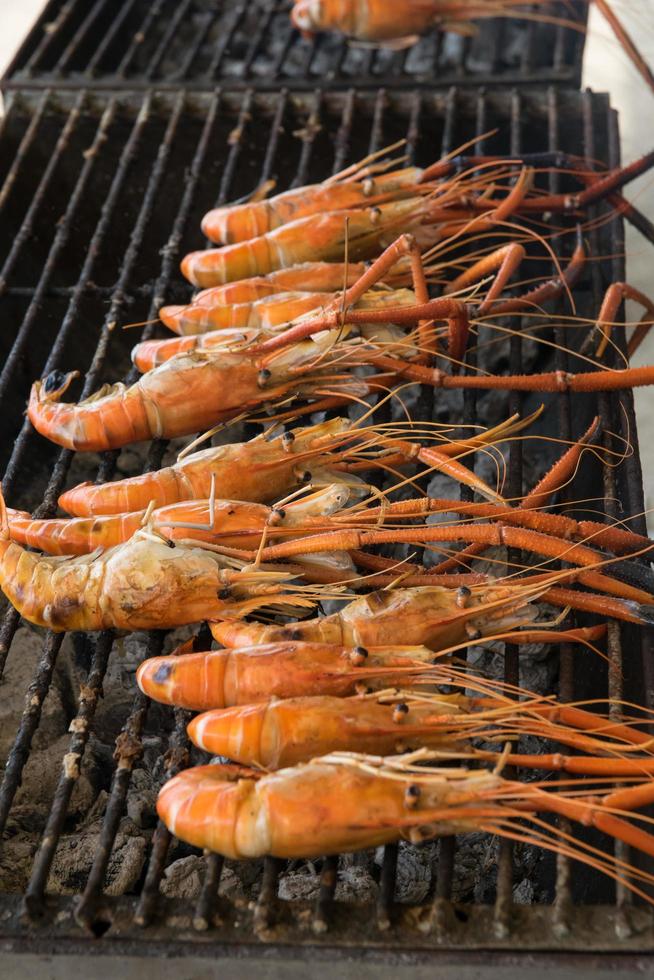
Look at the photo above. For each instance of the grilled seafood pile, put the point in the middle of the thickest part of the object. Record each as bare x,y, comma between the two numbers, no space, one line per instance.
313,300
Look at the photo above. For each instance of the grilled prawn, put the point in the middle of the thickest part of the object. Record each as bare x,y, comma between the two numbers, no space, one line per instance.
231,523
279,733
433,616
273,312
386,22
346,802
142,584
323,236
267,467
186,394
220,678
262,470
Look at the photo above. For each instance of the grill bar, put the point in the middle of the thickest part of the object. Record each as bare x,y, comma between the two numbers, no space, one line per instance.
62,236
254,45
245,140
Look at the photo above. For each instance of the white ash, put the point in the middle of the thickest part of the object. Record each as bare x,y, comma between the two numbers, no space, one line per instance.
74,857
24,655
16,864
184,878
41,775
354,884
142,798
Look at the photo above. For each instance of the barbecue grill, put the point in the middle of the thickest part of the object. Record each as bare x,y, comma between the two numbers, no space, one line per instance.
120,131
102,192
251,43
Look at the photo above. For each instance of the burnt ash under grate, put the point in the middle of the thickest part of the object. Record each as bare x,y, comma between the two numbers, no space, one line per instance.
252,43
100,195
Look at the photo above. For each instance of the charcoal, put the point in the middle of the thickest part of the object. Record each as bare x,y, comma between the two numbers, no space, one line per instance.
183,878
414,871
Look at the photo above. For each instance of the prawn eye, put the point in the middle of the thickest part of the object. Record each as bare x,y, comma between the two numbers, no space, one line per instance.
263,377
287,440
400,711
411,796
473,632
277,515
463,593
305,476
358,656
54,381
225,592
162,673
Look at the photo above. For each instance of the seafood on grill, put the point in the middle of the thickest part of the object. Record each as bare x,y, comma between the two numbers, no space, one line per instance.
270,466
324,236
269,313
455,194
289,668
433,615
308,277
345,802
399,25
232,523
146,583
457,313
278,733
184,395
262,470
249,674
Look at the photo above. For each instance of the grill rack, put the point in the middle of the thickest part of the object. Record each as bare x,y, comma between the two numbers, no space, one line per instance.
73,255
251,43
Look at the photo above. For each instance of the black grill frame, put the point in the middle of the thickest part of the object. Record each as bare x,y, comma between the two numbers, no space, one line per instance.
39,922
251,44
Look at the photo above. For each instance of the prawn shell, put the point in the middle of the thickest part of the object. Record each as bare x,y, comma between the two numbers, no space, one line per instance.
302,812
259,471
432,616
225,678
284,733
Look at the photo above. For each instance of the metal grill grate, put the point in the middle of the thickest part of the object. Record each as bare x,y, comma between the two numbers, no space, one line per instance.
252,43
100,195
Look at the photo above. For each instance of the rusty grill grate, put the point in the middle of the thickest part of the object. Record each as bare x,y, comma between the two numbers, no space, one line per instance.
100,195
252,43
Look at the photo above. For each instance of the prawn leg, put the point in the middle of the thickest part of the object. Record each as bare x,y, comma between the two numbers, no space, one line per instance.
614,296
495,535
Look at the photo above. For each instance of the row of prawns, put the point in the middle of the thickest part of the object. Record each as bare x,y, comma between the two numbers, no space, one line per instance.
272,526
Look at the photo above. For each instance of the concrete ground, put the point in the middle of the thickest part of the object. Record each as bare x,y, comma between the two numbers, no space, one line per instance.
605,69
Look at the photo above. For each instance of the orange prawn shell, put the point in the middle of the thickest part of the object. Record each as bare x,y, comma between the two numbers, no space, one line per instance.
264,313
320,236
304,812
284,733
238,524
223,383
260,470
431,615
142,584
368,20
224,678
240,222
